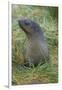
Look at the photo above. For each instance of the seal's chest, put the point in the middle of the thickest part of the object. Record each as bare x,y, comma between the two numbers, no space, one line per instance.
34,49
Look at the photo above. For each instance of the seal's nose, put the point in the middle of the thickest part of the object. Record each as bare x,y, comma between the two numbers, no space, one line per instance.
18,21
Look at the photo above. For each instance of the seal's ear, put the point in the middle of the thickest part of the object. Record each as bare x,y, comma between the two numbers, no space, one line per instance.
35,26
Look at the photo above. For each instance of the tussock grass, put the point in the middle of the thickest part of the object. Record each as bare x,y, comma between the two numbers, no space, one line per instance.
47,18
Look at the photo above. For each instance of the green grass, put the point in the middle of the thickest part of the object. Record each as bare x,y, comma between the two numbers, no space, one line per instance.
47,18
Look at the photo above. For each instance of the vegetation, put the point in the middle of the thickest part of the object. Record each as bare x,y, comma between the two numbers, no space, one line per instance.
47,18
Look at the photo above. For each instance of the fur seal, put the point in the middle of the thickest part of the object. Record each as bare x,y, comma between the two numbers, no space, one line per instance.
37,49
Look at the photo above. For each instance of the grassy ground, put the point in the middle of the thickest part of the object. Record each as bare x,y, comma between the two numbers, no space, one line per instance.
47,18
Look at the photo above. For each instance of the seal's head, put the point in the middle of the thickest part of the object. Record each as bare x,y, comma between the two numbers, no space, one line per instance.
29,26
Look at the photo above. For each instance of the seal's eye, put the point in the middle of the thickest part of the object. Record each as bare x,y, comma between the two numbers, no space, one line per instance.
27,23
